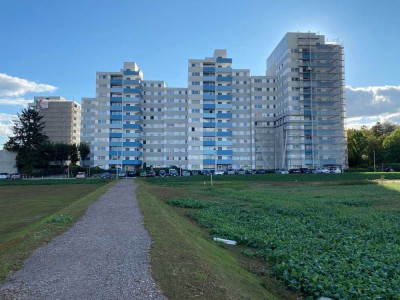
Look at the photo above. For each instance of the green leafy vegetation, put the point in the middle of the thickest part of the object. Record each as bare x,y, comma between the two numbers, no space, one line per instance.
337,239
187,203
60,219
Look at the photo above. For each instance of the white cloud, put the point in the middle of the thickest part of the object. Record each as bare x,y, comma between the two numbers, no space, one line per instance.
6,123
14,86
368,105
15,101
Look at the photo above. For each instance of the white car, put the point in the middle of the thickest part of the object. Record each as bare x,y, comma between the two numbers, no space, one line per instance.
282,171
336,171
322,171
219,172
81,175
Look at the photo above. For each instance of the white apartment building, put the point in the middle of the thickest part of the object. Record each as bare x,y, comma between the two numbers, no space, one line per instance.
291,117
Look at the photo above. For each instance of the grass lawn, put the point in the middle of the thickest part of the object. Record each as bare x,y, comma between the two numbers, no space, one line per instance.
326,235
32,214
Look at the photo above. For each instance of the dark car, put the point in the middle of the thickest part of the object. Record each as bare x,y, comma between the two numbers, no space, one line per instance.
305,171
294,171
251,172
105,175
162,173
206,172
261,171
194,172
131,174
150,174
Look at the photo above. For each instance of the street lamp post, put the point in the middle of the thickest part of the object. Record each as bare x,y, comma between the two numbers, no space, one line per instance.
374,162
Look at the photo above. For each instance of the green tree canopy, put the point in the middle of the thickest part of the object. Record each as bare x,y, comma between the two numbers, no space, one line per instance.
84,150
28,140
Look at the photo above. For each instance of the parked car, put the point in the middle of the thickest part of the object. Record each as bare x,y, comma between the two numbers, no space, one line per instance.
15,176
251,171
173,172
80,175
305,171
321,171
162,173
335,170
185,173
131,174
219,172
143,173
105,175
294,171
121,174
261,171
240,172
150,174
282,171
194,172
4,175
206,172
229,171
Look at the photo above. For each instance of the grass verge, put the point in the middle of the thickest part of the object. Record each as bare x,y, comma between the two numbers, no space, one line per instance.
186,263
26,237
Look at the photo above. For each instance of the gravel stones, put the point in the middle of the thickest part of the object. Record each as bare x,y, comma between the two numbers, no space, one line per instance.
105,255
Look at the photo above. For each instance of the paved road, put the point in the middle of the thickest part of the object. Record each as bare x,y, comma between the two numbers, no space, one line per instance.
105,255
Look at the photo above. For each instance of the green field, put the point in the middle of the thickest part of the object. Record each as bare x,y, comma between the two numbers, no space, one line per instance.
320,235
32,212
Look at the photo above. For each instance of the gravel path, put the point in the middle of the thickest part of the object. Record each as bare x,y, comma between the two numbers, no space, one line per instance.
105,255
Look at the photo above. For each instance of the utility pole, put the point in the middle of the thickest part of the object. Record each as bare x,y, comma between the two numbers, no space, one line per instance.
374,162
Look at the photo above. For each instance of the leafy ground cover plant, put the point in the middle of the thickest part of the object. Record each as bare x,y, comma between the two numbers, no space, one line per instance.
339,244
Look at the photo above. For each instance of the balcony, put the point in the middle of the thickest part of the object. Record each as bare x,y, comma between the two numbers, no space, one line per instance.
129,72
208,97
130,81
209,115
208,106
115,99
224,125
223,106
224,60
208,88
224,152
224,161
224,78
116,81
224,115
131,144
116,90
224,97
209,78
222,134
223,70
132,117
115,117
223,88
132,126
208,143
115,134
208,69
208,124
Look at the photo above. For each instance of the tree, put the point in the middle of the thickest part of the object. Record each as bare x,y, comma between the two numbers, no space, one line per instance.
357,144
28,140
73,154
392,147
84,150
61,153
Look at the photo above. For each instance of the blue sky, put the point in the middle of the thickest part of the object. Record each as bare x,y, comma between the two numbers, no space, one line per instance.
56,47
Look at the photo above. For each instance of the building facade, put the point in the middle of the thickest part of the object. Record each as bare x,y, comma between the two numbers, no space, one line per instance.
62,118
291,117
